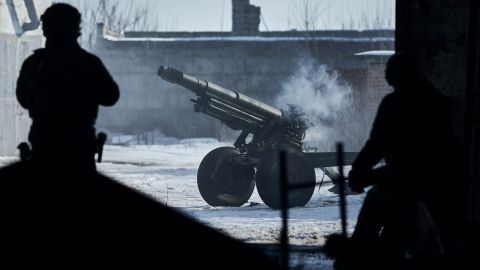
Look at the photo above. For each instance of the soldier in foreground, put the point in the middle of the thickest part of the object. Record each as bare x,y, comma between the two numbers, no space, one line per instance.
413,134
57,210
62,87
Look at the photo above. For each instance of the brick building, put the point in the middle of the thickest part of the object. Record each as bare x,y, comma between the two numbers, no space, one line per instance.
245,17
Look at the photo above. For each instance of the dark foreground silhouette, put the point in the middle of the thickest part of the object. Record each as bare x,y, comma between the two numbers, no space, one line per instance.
411,211
55,218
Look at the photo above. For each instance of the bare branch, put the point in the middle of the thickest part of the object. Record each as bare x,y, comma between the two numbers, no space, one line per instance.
307,13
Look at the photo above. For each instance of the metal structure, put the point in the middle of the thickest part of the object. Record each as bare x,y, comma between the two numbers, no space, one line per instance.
227,175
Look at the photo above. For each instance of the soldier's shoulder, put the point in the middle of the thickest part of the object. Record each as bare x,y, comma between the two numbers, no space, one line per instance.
35,58
38,53
390,102
390,97
90,56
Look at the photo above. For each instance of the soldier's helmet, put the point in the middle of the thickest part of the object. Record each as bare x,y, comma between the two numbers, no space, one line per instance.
402,70
61,22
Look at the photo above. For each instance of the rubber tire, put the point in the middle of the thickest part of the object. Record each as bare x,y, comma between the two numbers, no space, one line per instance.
222,183
300,171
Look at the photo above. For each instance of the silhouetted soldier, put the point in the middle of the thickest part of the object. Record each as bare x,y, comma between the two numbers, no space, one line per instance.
62,86
413,134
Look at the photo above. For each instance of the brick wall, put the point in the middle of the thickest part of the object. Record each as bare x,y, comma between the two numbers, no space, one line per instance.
245,17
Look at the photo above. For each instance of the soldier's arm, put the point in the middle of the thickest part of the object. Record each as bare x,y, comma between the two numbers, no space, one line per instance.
375,147
373,151
107,89
24,81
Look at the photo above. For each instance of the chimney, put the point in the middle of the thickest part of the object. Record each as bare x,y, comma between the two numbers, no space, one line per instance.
245,18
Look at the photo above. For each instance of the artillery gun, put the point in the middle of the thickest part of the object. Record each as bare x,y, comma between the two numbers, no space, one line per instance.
227,175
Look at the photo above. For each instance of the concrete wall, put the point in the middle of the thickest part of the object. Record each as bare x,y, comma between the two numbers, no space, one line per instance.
14,120
256,66
19,36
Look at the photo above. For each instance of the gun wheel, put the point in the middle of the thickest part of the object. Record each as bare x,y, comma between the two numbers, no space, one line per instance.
299,171
223,183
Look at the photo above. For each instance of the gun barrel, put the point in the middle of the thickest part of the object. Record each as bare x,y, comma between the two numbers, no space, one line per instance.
205,88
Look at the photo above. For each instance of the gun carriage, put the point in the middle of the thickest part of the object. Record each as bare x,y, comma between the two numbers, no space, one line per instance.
227,175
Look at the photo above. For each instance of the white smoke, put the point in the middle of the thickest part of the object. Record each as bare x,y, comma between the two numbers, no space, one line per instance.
325,101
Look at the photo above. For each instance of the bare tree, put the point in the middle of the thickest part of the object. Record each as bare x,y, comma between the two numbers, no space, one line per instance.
373,15
311,15
126,15
118,16
307,12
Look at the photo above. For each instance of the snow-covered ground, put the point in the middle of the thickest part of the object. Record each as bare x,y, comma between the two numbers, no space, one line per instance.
168,172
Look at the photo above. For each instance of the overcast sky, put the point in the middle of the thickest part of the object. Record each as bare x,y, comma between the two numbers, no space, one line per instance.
215,15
